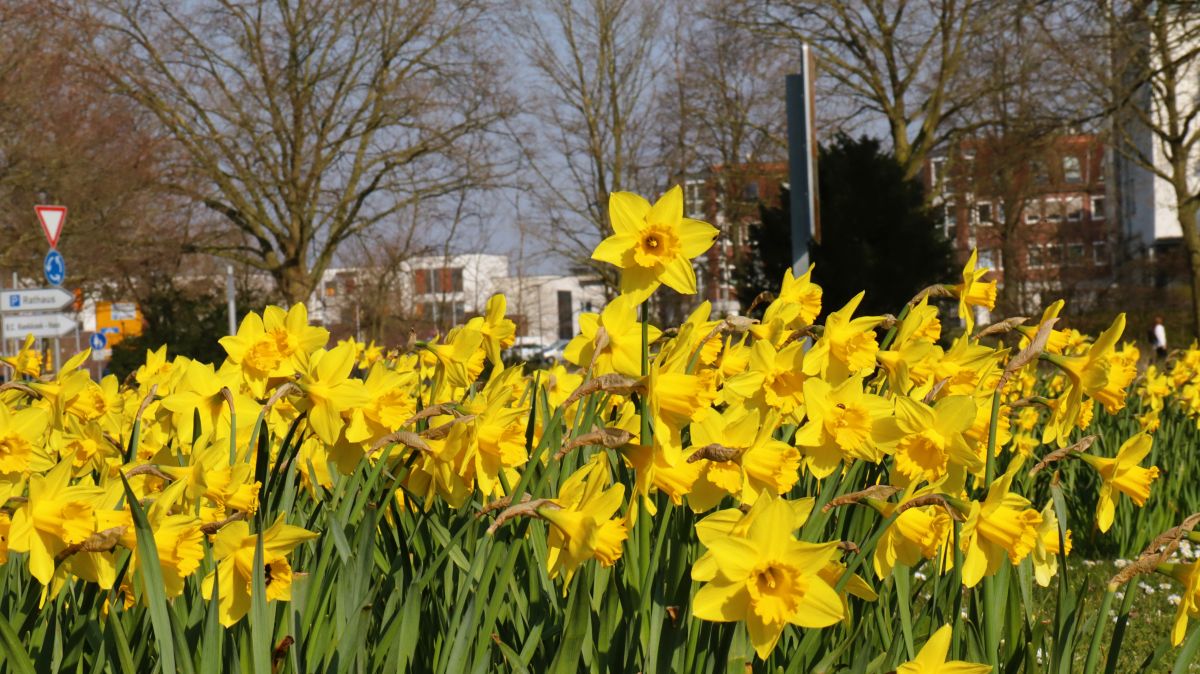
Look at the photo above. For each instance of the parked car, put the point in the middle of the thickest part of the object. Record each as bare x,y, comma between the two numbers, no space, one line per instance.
524,353
554,352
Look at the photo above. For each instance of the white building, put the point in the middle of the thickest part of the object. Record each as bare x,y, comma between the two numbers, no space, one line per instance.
436,292
549,306
1146,200
453,287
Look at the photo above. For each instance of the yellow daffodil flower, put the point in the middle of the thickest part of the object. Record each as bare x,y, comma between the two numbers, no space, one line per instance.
1045,553
760,574
932,658
56,515
234,547
844,423
931,446
798,303
1123,474
1189,601
847,347
1003,524
611,341
499,332
273,345
27,362
772,379
916,534
1092,374
23,440
974,292
760,462
329,391
582,520
653,245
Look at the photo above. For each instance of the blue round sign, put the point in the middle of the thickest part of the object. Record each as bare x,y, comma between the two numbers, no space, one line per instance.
54,267
98,341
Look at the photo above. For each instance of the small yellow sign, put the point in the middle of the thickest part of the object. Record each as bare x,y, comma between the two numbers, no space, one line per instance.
118,320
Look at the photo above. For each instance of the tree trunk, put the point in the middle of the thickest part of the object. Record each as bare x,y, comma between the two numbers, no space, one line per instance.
294,283
1010,292
1191,241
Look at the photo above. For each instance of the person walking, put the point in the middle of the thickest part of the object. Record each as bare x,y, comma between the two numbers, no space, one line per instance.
1160,339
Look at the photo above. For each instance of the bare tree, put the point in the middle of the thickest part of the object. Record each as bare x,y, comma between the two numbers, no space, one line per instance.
1014,122
724,106
1141,60
898,62
591,98
65,139
306,123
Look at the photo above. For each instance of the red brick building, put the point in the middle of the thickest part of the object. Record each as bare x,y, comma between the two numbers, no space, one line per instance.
1039,213
729,197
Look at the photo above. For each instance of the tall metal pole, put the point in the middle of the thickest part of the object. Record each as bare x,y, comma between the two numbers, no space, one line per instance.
802,162
231,299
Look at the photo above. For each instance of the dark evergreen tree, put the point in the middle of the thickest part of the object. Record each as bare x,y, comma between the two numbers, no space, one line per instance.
877,234
770,252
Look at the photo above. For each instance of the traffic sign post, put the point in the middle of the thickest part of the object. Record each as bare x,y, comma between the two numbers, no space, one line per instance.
33,305
34,299
54,267
98,341
38,325
52,219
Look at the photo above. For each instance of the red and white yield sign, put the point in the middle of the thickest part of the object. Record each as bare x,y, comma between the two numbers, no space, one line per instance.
52,219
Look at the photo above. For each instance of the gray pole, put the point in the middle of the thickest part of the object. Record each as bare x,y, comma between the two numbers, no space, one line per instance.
802,161
231,299
14,344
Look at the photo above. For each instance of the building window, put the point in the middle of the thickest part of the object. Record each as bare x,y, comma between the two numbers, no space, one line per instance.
750,191
693,199
1036,260
990,259
1072,172
1075,253
950,219
937,171
984,208
1054,254
1040,175
1054,210
1100,253
441,280
1033,212
566,318
998,215
1074,209
1097,208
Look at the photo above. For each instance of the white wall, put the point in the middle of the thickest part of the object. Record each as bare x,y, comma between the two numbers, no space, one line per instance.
1147,201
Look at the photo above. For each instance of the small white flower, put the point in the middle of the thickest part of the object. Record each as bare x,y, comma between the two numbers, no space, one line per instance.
1148,589
1121,563
1174,599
